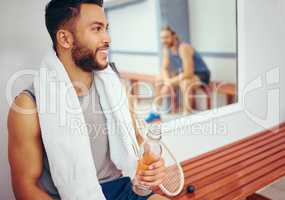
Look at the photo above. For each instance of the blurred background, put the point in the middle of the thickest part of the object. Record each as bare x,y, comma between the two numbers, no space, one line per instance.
209,26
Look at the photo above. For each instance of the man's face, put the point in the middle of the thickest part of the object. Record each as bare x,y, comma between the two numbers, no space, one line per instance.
166,38
91,40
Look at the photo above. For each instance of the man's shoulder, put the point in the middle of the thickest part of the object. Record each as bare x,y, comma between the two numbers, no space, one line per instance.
185,47
25,99
23,117
24,103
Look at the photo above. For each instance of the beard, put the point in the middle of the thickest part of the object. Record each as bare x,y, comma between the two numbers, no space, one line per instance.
85,58
169,44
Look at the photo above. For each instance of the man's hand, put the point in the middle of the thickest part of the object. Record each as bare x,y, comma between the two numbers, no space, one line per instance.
154,175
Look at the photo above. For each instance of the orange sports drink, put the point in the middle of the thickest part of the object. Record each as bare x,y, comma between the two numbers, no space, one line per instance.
150,152
147,159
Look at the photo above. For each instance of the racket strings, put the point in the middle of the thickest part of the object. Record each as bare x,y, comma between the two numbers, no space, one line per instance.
173,179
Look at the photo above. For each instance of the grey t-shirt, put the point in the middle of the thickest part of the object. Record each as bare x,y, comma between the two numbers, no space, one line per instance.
96,125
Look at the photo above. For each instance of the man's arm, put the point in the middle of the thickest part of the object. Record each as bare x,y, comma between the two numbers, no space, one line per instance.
165,65
186,52
25,150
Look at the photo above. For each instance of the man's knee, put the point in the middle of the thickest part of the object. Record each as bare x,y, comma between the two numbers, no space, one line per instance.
188,85
185,86
158,197
165,90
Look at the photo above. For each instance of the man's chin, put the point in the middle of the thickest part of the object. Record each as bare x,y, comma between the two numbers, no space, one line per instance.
103,66
167,45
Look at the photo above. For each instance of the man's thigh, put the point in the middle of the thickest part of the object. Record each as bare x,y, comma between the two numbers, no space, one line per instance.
157,197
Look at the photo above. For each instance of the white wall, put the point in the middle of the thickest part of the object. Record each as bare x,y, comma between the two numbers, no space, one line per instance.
134,29
137,63
23,41
213,29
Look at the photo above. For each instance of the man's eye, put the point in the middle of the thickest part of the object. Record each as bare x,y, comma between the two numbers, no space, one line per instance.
97,29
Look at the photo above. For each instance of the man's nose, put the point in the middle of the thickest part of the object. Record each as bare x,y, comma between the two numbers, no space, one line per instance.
106,38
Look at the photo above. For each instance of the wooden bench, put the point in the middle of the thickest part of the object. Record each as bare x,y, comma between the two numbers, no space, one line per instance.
135,78
237,170
227,89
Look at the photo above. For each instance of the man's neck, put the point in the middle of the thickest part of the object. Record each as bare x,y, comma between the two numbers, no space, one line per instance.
174,47
80,79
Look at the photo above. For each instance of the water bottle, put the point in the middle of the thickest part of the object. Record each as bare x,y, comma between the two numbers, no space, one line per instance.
150,152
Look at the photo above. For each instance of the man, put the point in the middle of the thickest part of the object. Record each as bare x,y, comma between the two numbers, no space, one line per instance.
182,68
78,29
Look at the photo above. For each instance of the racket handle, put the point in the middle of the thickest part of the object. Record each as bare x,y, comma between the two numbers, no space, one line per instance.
191,189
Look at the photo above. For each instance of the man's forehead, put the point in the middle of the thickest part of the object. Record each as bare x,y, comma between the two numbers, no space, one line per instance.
90,13
164,33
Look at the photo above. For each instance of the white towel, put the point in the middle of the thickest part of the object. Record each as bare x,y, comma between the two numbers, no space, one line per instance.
64,132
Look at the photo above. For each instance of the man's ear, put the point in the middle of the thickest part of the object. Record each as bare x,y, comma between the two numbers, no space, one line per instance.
64,38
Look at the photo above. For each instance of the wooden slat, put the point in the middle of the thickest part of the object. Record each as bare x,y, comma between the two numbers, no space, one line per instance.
256,184
257,197
234,169
208,185
224,88
237,170
236,157
235,180
244,178
138,77
227,170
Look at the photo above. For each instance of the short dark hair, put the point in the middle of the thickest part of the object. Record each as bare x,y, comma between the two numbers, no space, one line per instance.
60,12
